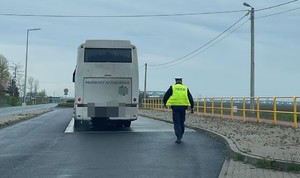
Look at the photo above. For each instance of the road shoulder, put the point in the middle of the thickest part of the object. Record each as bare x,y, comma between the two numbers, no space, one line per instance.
13,119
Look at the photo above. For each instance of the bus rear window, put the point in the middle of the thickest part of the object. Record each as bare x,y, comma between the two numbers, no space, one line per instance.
107,55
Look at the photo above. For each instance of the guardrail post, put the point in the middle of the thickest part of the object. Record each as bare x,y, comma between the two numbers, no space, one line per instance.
204,106
244,110
145,102
212,108
295,112
148,103
159,103
257,110
197,105
275,110
221,100
152,103
231,107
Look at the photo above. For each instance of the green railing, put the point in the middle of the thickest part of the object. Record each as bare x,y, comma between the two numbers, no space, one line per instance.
276,110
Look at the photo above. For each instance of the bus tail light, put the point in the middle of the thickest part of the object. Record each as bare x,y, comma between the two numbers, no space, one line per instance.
134,100
80,100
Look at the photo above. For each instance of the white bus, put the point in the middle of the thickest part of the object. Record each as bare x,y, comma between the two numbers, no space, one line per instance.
106,82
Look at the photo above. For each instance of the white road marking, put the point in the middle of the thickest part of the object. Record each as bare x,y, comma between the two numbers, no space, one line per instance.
134,128
70,128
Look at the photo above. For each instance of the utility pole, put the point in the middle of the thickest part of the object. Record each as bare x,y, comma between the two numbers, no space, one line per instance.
145,82
252,57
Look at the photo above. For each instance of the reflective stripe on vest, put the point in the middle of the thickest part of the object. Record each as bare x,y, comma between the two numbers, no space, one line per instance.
179,96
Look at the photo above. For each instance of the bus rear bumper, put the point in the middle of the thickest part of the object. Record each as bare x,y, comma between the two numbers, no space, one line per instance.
112,111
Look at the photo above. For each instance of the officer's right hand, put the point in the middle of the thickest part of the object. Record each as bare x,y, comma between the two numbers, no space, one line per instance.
192,110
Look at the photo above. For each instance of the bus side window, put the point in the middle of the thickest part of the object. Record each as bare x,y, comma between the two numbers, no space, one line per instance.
74,76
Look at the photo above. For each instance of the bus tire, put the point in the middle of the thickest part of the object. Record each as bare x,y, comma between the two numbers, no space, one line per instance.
77,123
127,123
119,124
80,125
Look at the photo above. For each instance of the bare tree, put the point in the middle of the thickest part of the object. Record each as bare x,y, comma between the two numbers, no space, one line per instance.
17,78
35,88
20,84
4,73
30,87
41,97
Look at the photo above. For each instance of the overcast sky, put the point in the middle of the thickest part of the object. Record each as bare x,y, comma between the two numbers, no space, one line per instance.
219,68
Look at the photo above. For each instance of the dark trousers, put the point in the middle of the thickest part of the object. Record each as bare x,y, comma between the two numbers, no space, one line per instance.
178,120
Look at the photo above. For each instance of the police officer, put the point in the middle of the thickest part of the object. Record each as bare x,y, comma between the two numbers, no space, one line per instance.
179,98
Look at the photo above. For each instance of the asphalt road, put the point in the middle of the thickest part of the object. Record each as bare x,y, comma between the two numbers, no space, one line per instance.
46,147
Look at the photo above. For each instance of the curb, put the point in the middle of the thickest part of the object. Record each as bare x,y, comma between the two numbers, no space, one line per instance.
235,153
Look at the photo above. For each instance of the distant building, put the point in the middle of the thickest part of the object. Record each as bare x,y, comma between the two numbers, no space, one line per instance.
154,94
52,99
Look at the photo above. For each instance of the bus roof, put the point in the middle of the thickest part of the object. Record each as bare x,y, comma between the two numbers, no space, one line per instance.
107,44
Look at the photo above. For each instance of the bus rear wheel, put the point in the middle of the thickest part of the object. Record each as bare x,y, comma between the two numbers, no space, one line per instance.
127,123
80,124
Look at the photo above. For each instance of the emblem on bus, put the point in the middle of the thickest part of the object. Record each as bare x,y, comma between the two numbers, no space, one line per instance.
123,90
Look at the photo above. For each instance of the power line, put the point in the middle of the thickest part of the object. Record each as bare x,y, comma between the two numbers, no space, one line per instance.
278,13
120,16
138,15
271,7
205,48
189,54
185,56
167,15
243,25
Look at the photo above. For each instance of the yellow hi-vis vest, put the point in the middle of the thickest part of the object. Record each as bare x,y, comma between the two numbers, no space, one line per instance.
179,96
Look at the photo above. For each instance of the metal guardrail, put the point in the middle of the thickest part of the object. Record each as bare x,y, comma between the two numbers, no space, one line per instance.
276,110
